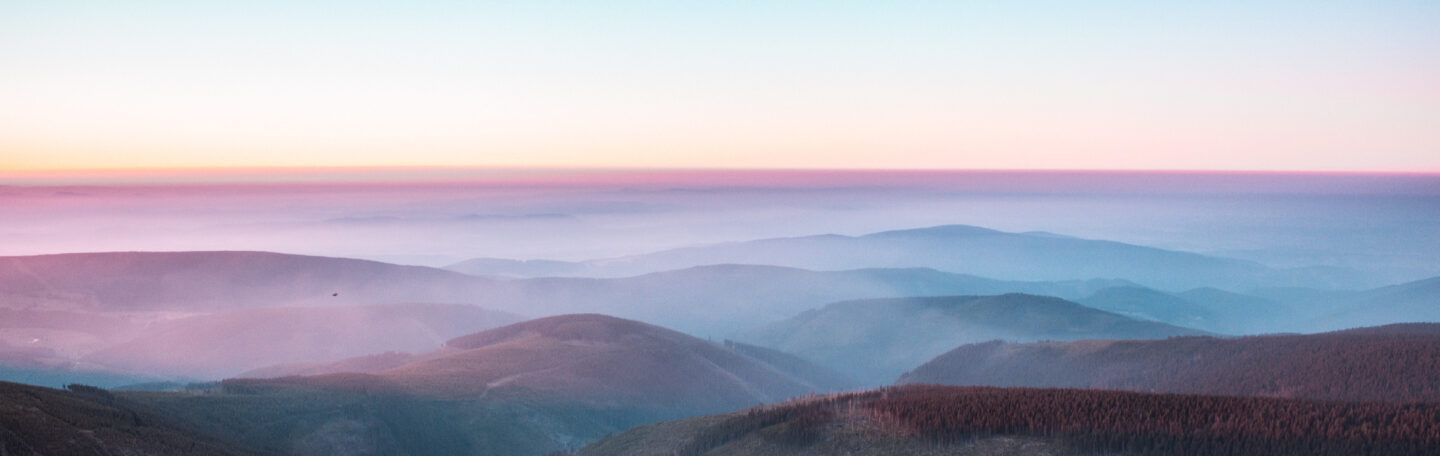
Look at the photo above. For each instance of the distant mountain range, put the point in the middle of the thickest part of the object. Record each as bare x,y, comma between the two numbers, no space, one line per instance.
962,249
134,290
878,339
118,318
1397,362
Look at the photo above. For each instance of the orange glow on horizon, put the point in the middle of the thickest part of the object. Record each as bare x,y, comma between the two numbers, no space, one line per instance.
598,176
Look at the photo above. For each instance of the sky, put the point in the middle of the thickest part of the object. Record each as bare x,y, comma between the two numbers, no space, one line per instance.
1224,85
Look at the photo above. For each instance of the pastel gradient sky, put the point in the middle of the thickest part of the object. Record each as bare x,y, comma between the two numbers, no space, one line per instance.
1220,85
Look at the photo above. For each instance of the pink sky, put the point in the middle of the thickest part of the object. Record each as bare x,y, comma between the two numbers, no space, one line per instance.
1347,86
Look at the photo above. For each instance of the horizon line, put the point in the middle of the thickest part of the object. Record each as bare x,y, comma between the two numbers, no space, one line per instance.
581,176
344,168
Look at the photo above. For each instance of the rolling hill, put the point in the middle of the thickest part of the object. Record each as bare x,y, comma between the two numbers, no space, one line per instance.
1396,363
938,420
876,340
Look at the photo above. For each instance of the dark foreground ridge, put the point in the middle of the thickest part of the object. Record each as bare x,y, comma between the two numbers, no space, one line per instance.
927,419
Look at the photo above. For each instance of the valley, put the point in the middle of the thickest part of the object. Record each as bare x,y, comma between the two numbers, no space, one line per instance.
814,344
719,228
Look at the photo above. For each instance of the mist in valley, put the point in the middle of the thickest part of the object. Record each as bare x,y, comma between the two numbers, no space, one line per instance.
1376,226
720,228
550,304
